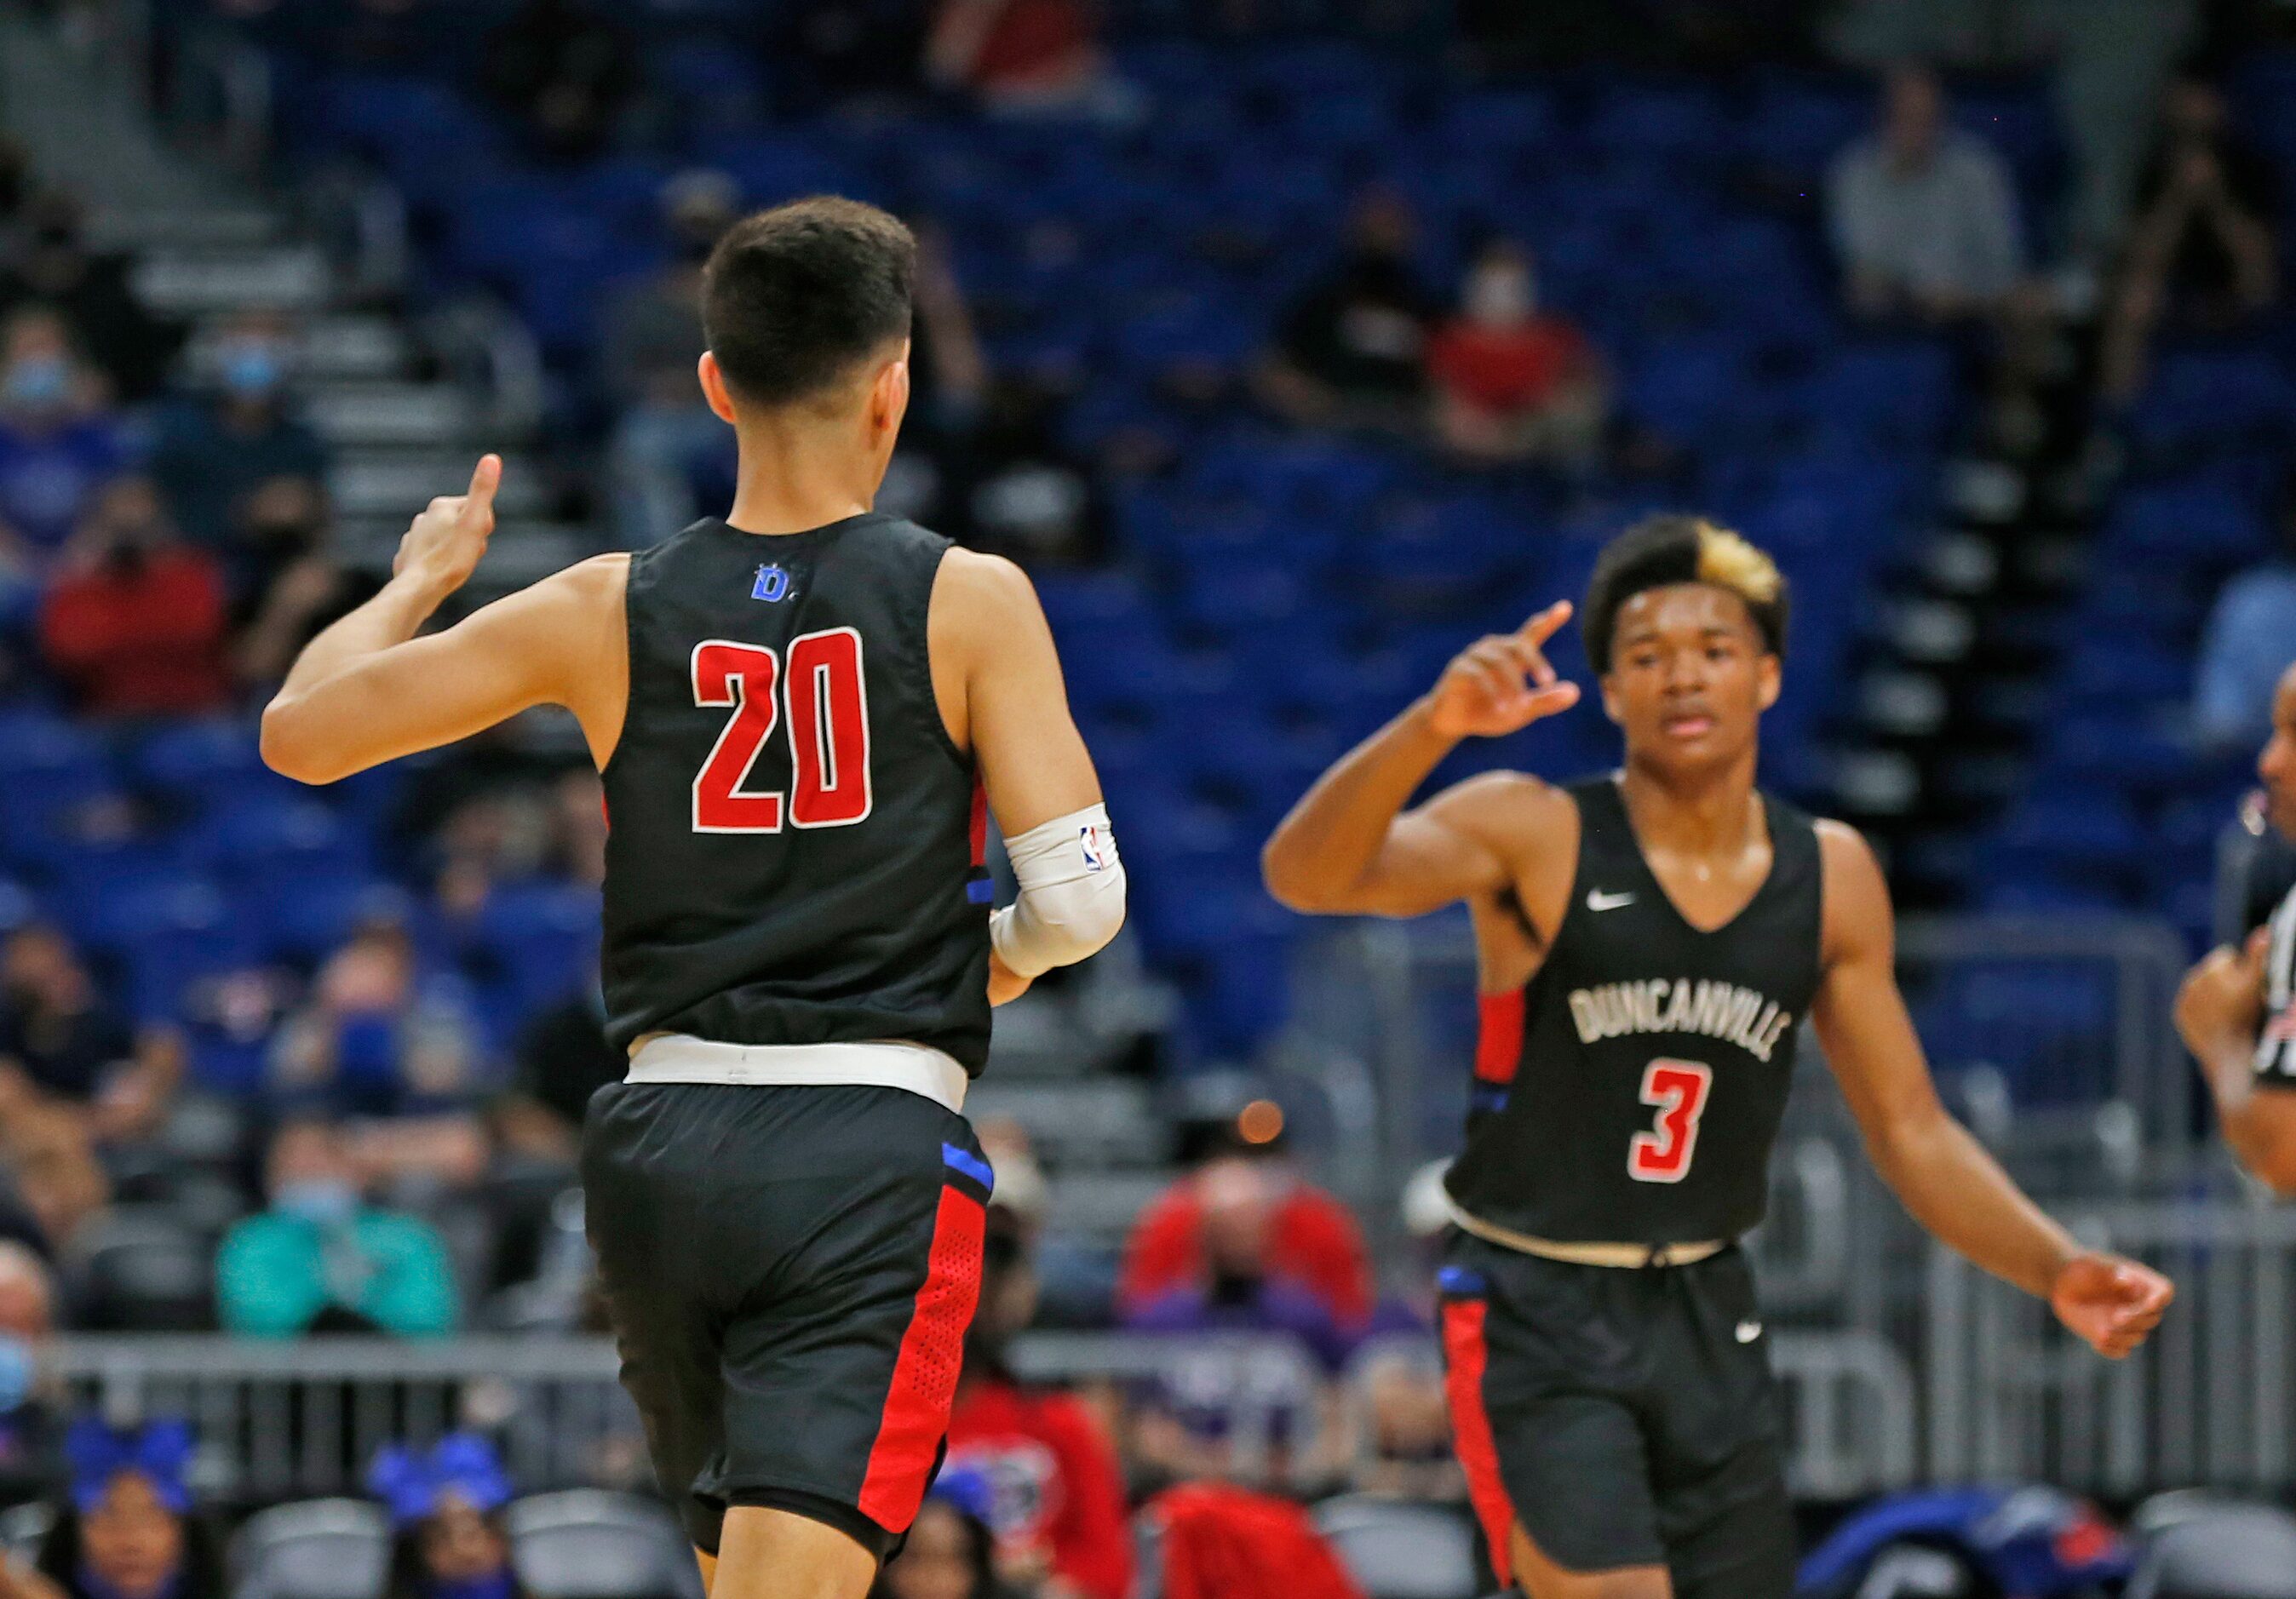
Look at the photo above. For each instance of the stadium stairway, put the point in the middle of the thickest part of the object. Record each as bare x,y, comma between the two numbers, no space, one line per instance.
407,403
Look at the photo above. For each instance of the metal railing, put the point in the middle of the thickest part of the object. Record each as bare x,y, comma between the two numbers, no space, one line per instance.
2211,1399
279,1421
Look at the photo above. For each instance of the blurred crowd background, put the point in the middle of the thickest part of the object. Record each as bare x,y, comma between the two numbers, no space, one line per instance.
1287,343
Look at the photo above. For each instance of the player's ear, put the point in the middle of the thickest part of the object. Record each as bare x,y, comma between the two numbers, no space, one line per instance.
888,395
1610,699
1769,679
714,389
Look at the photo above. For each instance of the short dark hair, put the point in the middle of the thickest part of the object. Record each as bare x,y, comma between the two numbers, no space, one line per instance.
1669,548
794,298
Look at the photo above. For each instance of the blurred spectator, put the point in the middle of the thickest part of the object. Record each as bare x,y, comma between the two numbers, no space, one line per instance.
446,1510
1026,496
321,1260
563,1058
2200,253
285,588
1225,1542
1352,350
31,1453
1056,1492
565,71
1241,1285
1513,383
1407,1452
397,1054
2248,643
58,444
1024,56
950,1552
1923,216
214,450
837,53
136,621
652,340
1309,1238
89,288
61,1043
127,1530
53,1158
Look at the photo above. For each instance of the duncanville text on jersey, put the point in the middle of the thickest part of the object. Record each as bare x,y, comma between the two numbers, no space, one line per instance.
1744,1016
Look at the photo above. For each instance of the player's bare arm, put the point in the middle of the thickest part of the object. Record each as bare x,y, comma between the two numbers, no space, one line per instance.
997,676
1944,1177
2220,1016
1348,848
373,687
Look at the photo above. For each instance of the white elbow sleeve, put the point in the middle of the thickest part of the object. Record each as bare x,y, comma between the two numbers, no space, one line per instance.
1071,894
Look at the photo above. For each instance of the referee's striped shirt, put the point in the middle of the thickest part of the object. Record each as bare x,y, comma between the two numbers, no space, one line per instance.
2276,1046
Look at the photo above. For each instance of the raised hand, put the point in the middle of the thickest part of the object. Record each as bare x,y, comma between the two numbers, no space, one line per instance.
442,547
2111,1302
1503,683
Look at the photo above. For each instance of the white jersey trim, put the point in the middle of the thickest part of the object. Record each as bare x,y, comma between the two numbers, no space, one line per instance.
679,1058
2275,1041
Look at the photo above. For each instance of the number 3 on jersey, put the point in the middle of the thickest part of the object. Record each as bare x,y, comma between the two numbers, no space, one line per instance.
827,705
1679,1089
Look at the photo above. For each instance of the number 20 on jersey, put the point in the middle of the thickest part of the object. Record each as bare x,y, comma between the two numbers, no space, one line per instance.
822,702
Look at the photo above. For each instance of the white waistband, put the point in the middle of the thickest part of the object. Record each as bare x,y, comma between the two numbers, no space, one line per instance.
1624,1256
677,1058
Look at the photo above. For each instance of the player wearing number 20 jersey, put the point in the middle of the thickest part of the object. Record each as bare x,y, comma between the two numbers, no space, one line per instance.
804,714
1649,944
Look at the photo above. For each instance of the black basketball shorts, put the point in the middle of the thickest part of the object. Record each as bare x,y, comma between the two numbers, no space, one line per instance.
1624,1417
790,1273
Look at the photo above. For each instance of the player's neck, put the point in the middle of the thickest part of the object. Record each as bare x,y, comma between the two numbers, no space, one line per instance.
1695,812
793,478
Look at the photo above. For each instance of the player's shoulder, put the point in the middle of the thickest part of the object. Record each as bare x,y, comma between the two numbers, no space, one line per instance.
1854,893
977,597
1843,850
1520,814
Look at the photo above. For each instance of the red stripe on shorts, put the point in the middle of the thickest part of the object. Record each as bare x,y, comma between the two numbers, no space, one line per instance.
1463,1359
980,823
925,1374
1498,1046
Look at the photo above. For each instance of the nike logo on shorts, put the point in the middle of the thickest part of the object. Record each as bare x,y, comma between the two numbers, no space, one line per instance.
1749,1331
1597,900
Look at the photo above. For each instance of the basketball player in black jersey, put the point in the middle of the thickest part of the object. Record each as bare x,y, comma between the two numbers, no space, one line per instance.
803,714
2237,1008
1649,944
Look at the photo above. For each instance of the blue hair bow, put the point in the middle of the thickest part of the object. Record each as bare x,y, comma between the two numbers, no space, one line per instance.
969,1489
463,1464
158,1451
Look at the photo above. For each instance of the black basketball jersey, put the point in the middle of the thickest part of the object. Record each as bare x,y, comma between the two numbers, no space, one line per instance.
794,850
1630,1091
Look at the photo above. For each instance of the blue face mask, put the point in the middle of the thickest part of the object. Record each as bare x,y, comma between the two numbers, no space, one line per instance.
37,381
251,368
17,1369
320,1200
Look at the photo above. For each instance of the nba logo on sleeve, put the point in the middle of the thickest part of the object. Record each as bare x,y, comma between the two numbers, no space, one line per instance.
772,584
1089,840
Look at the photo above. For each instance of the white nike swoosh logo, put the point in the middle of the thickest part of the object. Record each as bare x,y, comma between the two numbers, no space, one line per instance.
1749,1331
1597,900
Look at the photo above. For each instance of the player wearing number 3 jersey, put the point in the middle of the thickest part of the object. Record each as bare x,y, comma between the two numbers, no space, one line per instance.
1649,944
804,714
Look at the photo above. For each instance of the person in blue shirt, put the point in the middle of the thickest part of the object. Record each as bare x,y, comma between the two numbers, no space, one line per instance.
215,450
2249,640
57,443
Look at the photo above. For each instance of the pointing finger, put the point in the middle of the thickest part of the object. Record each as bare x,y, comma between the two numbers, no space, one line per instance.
485,478
1544,626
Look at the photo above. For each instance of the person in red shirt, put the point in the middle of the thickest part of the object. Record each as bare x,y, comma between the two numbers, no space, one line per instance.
1312,1239
1511,383
1023,56
135,622
1056,1492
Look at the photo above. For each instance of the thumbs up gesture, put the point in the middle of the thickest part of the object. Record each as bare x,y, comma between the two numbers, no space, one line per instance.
442,546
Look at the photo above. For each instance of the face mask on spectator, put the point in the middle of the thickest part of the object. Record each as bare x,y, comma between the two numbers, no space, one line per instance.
38,380
1500,294
325,1201
251,368
16,1370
